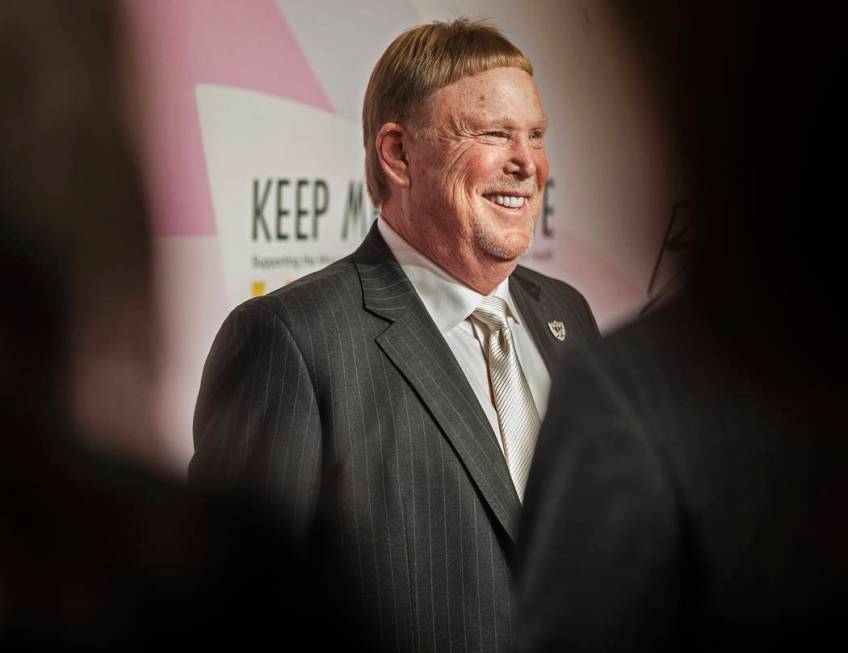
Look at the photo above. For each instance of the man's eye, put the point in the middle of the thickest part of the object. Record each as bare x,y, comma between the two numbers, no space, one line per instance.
497,134
537,139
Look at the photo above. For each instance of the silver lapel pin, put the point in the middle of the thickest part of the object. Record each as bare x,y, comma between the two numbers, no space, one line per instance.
558,329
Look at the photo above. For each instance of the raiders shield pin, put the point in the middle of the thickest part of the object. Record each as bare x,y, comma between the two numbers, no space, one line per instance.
558,329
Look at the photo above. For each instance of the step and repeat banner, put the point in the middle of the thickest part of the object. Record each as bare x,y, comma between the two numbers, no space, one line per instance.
252,145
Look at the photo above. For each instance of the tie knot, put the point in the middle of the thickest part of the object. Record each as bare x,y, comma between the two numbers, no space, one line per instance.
492,312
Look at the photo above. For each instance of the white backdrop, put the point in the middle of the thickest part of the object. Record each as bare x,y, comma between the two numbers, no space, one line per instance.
253,149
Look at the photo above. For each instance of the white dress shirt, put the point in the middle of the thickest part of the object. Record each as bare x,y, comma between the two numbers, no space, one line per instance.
450,303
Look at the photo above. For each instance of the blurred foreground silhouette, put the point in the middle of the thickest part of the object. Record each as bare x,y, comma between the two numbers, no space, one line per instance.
95,553
690,485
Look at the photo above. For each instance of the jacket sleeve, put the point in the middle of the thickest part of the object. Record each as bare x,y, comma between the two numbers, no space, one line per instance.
256,422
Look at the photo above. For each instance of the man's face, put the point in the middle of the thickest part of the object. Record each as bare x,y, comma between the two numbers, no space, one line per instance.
477,169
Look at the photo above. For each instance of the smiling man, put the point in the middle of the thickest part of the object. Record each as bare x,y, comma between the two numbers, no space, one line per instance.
394,396
469,174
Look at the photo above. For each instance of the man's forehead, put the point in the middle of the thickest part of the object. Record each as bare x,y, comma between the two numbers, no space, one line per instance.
496,94
490,80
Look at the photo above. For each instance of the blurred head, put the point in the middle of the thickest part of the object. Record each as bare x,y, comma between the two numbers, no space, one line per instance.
759,122
74,213
454,145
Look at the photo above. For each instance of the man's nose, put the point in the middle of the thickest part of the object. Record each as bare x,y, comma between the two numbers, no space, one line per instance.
522,160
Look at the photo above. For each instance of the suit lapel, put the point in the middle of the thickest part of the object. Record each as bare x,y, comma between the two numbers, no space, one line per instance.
537,311
419,351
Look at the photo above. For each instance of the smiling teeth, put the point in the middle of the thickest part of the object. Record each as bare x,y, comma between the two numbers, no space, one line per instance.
509,201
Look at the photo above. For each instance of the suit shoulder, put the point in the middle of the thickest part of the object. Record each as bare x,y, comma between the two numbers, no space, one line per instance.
318,295
559,292
555,287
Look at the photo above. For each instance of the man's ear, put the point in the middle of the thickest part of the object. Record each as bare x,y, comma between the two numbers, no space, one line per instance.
392,143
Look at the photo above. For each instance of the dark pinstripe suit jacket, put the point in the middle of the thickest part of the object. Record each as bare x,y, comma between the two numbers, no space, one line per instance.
344,370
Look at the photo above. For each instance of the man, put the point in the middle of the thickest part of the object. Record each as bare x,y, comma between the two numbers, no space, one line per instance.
365,388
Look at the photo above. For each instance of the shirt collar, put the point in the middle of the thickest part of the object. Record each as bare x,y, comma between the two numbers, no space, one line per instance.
448,301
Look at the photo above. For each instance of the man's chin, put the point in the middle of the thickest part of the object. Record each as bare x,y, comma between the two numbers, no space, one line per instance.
504,248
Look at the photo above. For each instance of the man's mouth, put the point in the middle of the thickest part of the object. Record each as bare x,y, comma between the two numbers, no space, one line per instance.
508,201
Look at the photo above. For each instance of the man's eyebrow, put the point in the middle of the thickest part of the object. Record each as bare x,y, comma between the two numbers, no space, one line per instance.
500,122
475,123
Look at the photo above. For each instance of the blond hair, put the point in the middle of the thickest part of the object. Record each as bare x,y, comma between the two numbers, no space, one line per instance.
417,63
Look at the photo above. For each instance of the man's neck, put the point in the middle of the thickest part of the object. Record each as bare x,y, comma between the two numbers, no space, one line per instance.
482,276
480,272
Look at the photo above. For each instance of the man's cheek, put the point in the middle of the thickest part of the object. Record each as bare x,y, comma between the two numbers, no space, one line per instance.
455,178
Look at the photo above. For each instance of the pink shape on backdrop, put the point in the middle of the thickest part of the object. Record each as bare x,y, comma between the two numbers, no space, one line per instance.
182,43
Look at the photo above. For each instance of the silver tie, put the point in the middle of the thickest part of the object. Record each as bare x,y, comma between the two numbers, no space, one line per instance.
517,414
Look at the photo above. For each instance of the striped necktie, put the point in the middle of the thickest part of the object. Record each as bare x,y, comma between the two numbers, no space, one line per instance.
517,415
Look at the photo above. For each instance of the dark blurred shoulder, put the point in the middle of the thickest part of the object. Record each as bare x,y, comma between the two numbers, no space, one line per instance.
99,553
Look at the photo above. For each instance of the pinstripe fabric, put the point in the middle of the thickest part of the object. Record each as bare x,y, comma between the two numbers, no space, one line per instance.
339,391
517,415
